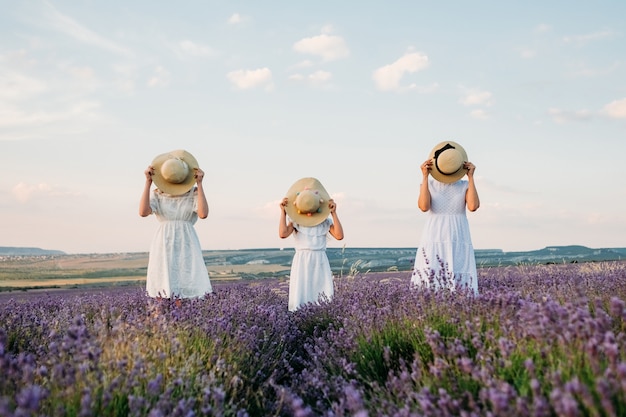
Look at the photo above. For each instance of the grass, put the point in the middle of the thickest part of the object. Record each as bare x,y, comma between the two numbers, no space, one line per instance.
68,271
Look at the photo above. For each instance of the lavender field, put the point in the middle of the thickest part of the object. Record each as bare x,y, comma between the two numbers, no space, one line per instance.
545,340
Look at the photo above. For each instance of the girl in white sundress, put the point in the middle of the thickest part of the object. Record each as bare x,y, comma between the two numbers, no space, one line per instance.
445,256
176,267
309,214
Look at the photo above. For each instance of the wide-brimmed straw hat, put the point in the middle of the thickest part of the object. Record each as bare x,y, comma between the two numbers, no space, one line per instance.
307,202
174,172
448,162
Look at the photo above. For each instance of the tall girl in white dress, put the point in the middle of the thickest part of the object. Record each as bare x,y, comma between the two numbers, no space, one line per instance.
176,266
305,214
445,256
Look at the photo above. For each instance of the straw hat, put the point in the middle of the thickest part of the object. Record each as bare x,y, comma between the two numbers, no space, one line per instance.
448,158
174,172
307,202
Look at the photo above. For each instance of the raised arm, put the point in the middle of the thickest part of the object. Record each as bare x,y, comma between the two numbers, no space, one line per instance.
336,229
471,195
284,229
144,202
203,206
423,201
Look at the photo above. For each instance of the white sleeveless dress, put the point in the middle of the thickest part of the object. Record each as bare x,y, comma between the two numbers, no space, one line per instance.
176,267
310,275
445,257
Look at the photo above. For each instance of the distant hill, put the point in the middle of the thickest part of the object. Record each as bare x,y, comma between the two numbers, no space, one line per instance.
15,251
381,259
550,254
378,259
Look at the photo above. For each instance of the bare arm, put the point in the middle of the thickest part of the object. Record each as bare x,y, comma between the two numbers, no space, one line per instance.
203,206
336,229
423,201
284,229
144,203
471,195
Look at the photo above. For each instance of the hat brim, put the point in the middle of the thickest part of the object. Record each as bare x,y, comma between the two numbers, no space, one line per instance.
168,187
303,219
448,178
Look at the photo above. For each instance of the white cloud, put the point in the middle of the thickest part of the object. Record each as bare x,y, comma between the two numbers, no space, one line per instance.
234,19
247,79
585,71
316,78
24,193
527,53
328,47
12,117
77,114
160,78
388,77
81,73
475,97
479,114
320,76
82,80
195,49
237,19
590,37
564,116
18,86
424,89
72,28
60,100
303,64
616,109
327,29
542,28
20,58
76,117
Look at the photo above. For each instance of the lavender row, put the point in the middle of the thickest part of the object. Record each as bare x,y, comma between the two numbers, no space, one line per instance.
538,341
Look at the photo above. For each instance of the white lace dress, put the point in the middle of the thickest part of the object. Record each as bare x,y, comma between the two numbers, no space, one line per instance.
445,256
311,275
176,267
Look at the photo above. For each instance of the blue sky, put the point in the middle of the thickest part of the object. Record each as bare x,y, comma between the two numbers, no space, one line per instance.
353,93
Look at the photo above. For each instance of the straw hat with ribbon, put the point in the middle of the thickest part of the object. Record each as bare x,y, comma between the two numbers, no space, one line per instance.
174,172
307,202
448,162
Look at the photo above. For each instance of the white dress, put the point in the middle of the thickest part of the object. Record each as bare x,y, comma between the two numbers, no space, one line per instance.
311,275
176,267
445,256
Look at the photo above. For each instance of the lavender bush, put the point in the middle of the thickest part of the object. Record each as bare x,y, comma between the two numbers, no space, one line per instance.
537,341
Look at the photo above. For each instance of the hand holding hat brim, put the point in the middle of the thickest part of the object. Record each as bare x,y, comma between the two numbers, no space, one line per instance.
448,162
312,186
181,185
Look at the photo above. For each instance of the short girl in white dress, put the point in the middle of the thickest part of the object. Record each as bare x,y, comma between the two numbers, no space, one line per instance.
305,214
176,267
445,256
